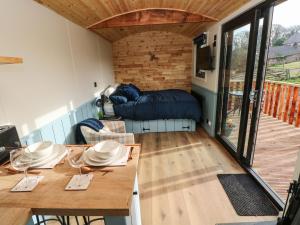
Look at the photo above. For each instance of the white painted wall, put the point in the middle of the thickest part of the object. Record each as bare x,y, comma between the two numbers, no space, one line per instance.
61,62
211,82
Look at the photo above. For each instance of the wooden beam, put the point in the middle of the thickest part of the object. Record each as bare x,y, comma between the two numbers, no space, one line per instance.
151,16
10,60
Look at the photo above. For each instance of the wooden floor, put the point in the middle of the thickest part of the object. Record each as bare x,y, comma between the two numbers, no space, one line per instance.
278,144
178,182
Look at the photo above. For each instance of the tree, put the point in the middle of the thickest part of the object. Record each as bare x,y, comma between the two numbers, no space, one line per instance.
278,35
279,41
239,51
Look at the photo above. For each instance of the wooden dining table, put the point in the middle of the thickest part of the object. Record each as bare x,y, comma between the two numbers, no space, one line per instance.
110,194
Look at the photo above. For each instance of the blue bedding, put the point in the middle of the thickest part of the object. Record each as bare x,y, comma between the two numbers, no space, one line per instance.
165,104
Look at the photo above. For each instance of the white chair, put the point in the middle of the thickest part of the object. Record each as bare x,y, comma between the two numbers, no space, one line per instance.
112,130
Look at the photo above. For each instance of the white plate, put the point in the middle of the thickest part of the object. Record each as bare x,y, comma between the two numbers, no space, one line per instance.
90,155
98,157
39,149
106,149
57,150
90,158
32,159
122,153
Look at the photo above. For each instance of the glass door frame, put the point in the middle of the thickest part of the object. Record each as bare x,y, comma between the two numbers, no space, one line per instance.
252,16
244,19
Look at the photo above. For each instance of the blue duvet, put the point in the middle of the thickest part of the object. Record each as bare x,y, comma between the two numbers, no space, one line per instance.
165,104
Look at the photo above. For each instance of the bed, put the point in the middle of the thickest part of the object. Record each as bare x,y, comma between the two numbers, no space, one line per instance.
165,104
154,111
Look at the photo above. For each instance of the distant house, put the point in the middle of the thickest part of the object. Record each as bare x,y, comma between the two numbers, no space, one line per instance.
289,52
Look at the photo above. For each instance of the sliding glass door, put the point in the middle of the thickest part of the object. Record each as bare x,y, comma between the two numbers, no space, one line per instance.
242,64
243,59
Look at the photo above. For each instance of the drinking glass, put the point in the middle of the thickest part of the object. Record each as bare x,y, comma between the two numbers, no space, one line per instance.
75,161
20,162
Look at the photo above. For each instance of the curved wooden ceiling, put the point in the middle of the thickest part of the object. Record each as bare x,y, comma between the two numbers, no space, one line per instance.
151,16
90,12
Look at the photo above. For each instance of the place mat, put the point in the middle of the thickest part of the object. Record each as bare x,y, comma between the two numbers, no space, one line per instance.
246,196
122,161
79,182
27,184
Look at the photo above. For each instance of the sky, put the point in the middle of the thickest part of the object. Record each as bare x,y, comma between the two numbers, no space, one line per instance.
287,13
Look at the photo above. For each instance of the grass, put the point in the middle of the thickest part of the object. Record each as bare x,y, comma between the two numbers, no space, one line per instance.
293,65
294,68
294,80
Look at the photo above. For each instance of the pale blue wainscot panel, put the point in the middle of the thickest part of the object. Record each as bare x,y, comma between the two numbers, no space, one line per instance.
169,125
209,107
137,126
58,131
62,130
153,125
145,126
68,128
161,126
47,133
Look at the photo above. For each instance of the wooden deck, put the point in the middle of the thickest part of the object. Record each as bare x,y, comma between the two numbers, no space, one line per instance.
276,153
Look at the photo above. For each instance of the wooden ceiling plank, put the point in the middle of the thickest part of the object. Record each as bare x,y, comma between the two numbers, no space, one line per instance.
87,12
153,16
124,5
81,9
226,11
97,8
196,6
59,9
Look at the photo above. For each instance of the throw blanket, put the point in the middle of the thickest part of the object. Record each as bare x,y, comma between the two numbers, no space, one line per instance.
92,123
165,104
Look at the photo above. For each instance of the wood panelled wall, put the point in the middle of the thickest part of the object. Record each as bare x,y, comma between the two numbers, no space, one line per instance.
154,60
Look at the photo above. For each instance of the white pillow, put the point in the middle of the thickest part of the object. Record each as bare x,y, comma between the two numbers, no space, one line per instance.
110,90
109,109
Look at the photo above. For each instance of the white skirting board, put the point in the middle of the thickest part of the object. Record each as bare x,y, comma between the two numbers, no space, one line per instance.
169,125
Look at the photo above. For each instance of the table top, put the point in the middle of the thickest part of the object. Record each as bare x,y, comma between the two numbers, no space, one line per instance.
109,194
14,216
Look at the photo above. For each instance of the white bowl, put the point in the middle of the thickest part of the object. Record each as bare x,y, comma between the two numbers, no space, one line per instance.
107,149
39,149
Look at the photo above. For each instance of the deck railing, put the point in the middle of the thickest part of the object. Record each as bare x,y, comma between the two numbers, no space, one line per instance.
282,101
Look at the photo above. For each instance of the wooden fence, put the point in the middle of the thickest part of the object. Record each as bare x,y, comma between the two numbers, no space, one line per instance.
282,101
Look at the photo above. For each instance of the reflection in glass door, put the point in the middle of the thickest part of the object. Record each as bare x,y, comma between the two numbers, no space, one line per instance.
236,51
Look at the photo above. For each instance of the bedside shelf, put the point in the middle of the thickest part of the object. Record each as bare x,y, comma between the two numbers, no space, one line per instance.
10,60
